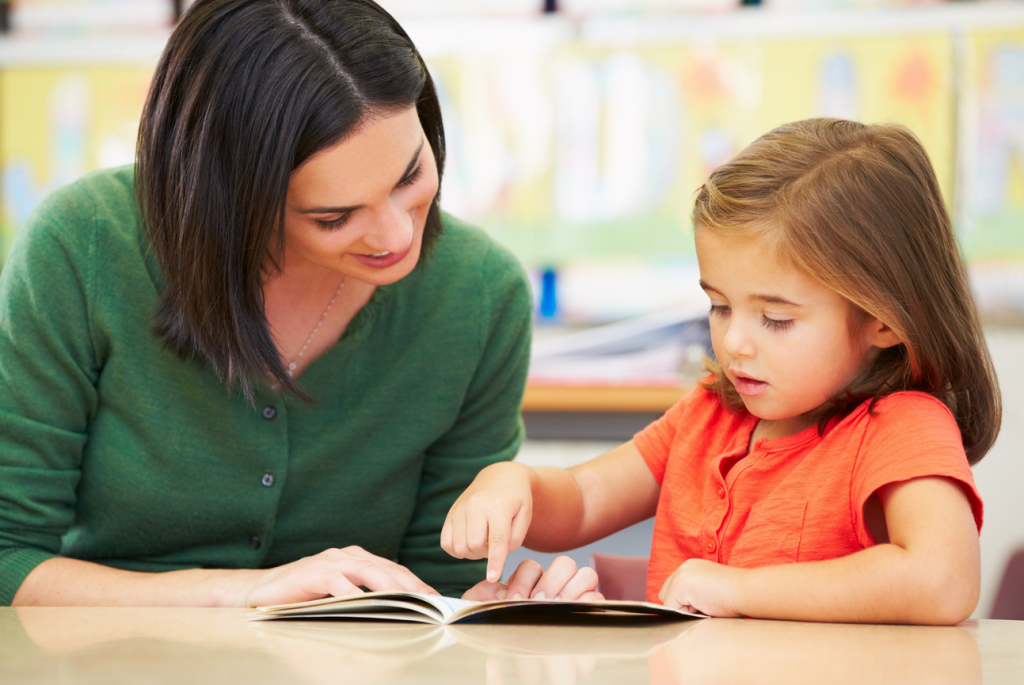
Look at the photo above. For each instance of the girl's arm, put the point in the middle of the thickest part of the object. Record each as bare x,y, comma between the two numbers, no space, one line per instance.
928,572
549,509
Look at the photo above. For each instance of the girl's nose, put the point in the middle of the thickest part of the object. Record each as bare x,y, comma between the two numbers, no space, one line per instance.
736,341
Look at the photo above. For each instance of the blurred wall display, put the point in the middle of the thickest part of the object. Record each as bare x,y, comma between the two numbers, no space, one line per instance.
56,124
78,16
580,144
991,215
586,155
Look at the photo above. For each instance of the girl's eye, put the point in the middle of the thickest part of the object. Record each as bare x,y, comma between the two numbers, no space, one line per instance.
776,324
336,223
411,178
719,309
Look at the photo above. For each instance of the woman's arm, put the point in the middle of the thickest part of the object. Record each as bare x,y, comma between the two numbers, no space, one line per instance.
927,573
339,572
549,509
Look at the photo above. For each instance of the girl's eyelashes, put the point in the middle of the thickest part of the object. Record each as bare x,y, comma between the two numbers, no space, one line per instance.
336,223
411,178
776,324
771,324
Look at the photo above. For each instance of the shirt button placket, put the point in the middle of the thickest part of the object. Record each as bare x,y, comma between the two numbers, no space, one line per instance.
273,451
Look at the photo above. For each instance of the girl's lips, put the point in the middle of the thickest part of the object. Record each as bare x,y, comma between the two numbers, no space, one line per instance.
749,387
381,262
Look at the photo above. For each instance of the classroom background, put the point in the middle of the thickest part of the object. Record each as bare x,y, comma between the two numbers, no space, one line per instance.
578,131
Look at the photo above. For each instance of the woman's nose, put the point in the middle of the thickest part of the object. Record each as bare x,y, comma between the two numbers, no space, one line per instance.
392,229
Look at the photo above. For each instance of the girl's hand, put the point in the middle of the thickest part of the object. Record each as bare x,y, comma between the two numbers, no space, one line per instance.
491,518
334,572
704,586
562,580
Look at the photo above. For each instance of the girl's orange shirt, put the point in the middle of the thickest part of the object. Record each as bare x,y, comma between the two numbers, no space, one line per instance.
797,498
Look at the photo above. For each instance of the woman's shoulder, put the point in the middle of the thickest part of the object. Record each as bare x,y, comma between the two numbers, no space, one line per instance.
72,215
72,212
464,244
466,260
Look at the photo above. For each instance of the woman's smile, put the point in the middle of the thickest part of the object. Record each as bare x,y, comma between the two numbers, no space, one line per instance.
381,260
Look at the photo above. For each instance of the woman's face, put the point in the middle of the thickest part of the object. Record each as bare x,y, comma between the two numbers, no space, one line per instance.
359,207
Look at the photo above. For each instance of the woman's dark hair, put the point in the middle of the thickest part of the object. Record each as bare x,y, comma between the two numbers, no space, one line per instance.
245,92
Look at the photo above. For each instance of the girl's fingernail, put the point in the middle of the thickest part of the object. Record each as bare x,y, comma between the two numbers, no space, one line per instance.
517,596
492,576
558,596
502,594
540,595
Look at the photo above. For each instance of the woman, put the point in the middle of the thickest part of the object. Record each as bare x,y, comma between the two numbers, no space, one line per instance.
265,343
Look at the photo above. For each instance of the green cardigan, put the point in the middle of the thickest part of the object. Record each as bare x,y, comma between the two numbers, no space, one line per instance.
115,451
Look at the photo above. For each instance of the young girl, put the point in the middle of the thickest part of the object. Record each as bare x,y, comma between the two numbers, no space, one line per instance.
822,471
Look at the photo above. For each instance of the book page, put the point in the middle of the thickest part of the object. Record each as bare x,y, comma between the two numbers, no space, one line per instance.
407,606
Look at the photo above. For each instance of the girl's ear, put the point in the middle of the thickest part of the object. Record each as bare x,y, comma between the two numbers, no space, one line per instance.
880,335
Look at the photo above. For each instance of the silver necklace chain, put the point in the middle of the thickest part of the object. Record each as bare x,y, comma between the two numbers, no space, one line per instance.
295,363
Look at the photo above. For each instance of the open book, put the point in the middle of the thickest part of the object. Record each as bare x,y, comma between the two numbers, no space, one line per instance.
407,606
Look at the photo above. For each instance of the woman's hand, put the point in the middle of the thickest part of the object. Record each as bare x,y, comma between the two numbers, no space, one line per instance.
334,572
562,580
491,518
703,586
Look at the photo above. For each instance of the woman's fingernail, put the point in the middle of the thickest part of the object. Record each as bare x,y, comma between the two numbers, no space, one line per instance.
492,576
558,596
517,596
502,594
540,595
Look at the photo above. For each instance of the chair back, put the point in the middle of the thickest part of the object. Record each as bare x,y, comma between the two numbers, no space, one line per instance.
1009,603
621,577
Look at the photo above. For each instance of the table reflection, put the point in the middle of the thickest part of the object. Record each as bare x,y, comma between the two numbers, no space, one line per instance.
770,652
197,646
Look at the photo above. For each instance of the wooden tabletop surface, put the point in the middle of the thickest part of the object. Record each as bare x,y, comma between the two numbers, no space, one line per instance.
73,646
600,398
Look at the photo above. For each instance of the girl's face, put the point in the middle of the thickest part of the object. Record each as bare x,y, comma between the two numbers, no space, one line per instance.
359,207
786,341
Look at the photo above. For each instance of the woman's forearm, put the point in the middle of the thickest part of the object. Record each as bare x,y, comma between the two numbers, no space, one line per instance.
337,572
72,582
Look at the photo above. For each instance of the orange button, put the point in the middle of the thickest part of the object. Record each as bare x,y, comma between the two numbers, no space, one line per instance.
711,546
721,493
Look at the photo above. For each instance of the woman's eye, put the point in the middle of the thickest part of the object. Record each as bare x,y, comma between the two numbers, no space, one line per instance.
411,178
719,309
336,223
776,324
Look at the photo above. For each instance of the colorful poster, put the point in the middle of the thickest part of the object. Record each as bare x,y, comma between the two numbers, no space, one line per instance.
57,124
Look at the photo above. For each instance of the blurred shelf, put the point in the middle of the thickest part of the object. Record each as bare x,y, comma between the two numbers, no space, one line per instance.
560,398
437,37
122,49
766,24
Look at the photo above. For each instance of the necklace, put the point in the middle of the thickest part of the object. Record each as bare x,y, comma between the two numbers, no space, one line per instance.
292,365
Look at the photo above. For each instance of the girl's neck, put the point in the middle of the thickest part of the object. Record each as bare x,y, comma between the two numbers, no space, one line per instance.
768,429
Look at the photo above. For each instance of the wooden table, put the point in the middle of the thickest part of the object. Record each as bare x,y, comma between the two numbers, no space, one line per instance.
73,646
594,412
600,398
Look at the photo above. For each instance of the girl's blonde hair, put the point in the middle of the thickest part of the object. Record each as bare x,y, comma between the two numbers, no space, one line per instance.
858,207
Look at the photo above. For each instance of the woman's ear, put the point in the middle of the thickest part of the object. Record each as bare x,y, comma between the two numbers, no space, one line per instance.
880,335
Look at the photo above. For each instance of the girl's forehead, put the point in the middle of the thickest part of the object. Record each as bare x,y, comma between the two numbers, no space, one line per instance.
744,266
